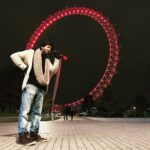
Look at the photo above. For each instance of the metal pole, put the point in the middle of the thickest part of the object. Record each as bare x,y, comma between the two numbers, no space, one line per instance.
55,88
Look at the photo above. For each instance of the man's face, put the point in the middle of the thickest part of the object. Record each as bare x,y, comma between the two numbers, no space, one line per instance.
46,49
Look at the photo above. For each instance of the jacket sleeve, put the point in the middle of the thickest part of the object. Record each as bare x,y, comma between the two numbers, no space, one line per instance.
18,59
55,66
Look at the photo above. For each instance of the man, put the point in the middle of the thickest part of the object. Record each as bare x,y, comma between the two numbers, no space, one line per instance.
38,71
66,110
71,113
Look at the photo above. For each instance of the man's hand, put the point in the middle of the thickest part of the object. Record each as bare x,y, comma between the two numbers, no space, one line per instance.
56,54
25,70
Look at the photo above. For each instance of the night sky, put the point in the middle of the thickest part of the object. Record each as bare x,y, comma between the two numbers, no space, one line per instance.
84,41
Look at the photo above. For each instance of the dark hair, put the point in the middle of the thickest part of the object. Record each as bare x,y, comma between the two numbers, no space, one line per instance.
46,43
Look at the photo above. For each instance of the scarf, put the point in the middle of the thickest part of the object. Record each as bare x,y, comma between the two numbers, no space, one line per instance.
42,78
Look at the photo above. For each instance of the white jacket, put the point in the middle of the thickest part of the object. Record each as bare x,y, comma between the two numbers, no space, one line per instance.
24,58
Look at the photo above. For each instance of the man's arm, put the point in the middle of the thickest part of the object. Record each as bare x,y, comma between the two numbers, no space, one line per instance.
18,58
55,66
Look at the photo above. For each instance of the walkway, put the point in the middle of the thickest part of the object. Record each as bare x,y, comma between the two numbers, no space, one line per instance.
83,134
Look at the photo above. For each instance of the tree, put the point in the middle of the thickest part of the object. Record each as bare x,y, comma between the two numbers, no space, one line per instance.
140,103
109,102
47,103
88,103
10,84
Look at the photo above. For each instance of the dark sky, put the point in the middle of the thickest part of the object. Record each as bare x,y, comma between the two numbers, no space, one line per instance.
85,43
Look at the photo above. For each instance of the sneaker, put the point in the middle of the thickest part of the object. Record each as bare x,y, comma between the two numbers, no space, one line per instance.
24,138
37,137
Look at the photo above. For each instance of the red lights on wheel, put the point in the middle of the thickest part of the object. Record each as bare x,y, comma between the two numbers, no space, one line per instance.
112,39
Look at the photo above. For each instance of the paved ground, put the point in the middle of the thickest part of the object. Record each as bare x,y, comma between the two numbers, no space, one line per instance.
83,134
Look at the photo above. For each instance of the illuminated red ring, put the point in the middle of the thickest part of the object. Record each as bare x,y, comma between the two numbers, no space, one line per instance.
112,39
